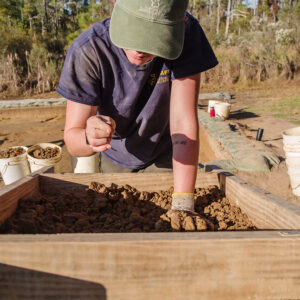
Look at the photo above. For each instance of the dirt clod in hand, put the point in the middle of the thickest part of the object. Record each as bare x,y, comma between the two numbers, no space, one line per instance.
122,208
44,153
11,152
189,221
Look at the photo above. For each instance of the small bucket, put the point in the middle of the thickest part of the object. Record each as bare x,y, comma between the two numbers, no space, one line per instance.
14,168
86,164
291,146
38,163
212,103
291,140
222,110
294,174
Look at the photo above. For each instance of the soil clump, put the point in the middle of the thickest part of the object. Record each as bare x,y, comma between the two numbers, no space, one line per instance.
11,152
44,153
122,208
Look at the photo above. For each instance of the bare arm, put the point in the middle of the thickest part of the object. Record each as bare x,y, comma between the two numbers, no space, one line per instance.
82,122
184,131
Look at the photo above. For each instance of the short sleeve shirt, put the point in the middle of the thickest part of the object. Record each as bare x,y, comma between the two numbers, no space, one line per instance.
98,73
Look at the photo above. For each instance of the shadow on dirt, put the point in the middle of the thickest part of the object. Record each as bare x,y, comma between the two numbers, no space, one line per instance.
241,114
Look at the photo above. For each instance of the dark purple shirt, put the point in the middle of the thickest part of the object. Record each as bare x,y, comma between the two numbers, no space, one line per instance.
98,73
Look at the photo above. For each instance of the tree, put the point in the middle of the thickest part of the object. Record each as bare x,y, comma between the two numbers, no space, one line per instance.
218,17
228,14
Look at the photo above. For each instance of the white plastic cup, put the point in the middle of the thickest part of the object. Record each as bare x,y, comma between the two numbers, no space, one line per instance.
291,146
14,168
212,103
86,164
38,163
222,110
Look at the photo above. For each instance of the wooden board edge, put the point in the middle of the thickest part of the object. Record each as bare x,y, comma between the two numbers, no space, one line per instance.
262,235
172,269
263,208
10,195
25,187
140,181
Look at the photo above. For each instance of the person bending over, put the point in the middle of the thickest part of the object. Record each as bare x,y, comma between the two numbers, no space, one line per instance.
132,84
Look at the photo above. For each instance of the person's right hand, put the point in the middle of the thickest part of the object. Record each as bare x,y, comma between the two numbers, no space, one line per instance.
99,130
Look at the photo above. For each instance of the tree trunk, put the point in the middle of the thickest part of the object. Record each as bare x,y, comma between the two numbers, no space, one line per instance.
209,7
43,26
44,17
228,18
254,7
55,20
218,16
231,13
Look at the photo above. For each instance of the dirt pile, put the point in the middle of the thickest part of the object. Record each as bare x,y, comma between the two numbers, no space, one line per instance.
122,208
11,152
44,153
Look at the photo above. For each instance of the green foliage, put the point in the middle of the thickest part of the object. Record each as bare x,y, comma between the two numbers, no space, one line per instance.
15,43
35,36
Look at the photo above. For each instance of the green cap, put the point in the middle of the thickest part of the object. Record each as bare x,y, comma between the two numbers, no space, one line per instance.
150,26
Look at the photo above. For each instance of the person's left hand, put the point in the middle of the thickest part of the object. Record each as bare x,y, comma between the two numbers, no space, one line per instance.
183,216
188,221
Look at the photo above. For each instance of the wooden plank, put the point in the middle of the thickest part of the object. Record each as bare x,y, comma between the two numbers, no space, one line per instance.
25,187
10,195
227,265
22,283
141,181
266,210
148,236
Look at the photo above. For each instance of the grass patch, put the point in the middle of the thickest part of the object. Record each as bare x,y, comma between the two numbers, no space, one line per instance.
287,108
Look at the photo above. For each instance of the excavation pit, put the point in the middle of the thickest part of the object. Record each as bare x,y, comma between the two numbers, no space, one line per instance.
168,265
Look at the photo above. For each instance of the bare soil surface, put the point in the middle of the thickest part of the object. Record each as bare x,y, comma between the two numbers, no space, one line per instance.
30,126
247,123
119,208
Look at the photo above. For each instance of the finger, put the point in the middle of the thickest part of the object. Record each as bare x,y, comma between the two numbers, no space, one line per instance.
108,120
95,133
99,124
105,132
101,148
99,142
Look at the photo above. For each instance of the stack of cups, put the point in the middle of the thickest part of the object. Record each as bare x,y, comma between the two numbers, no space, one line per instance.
291,146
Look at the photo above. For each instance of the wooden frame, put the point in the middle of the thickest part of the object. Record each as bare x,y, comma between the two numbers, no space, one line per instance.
263,264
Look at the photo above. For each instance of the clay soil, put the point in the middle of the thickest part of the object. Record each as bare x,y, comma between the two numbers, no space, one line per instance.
11,152
119,208
44,153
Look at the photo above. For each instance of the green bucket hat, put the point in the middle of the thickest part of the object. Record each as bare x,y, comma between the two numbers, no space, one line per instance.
150,26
